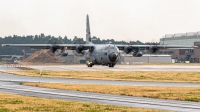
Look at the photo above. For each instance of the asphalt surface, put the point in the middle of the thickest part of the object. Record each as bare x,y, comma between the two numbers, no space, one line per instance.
11,84
119,68
18,78
186,68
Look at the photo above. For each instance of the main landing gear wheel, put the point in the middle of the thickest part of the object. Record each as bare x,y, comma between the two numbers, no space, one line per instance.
111,65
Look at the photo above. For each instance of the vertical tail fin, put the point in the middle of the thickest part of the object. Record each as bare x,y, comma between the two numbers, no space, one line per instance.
88,35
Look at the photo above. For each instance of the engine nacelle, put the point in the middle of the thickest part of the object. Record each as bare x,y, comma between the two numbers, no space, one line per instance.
153,49
64,53
128,49
79,49
137,54
53,48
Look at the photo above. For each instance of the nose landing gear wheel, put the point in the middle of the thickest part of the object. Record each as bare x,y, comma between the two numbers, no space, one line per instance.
89,65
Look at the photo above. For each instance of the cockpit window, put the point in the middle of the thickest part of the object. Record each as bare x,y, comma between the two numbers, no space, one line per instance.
110,48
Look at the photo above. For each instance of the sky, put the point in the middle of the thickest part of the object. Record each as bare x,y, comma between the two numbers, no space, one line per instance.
128,20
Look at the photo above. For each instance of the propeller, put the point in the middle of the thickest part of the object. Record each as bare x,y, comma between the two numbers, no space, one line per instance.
57,50
137,52
153,48
128,49
79,48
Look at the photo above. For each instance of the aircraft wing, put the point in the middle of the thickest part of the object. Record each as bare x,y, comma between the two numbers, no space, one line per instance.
48,46
143,47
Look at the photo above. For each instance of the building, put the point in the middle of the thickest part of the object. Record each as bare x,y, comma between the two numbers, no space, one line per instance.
11,58
73,57
27,53
182,55
181,38
147,58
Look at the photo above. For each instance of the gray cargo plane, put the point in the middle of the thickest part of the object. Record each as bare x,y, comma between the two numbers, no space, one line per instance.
98,54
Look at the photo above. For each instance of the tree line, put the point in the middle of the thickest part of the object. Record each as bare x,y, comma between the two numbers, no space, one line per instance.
48,39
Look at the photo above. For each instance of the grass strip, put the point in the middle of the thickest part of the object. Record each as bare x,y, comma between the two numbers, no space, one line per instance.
18,103
173,93
192,77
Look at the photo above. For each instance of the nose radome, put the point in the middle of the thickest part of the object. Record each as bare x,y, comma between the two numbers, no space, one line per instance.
112,57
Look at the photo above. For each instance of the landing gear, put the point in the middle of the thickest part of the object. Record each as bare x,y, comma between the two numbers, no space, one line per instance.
89,64
111,65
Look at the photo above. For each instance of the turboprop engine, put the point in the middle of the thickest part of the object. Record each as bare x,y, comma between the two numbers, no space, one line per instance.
128,49
137,54
153,49
79,49
53,48
58,52
64,53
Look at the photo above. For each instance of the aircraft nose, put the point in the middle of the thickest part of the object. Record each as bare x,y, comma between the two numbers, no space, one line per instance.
112,57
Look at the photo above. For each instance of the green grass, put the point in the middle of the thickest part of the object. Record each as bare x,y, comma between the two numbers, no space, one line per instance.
4,109
194,99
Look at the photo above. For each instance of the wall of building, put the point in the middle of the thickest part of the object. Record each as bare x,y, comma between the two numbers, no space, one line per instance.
196,56
147,59
179,53
68,59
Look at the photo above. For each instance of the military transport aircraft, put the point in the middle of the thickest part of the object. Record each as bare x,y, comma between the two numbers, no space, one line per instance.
98,54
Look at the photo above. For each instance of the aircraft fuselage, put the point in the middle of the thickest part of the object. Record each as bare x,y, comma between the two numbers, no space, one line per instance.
106,54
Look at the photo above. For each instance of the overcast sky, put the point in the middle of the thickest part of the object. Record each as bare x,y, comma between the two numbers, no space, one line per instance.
145,20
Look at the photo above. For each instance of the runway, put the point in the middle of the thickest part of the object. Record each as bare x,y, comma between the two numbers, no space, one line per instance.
105,68
119,68
11,84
